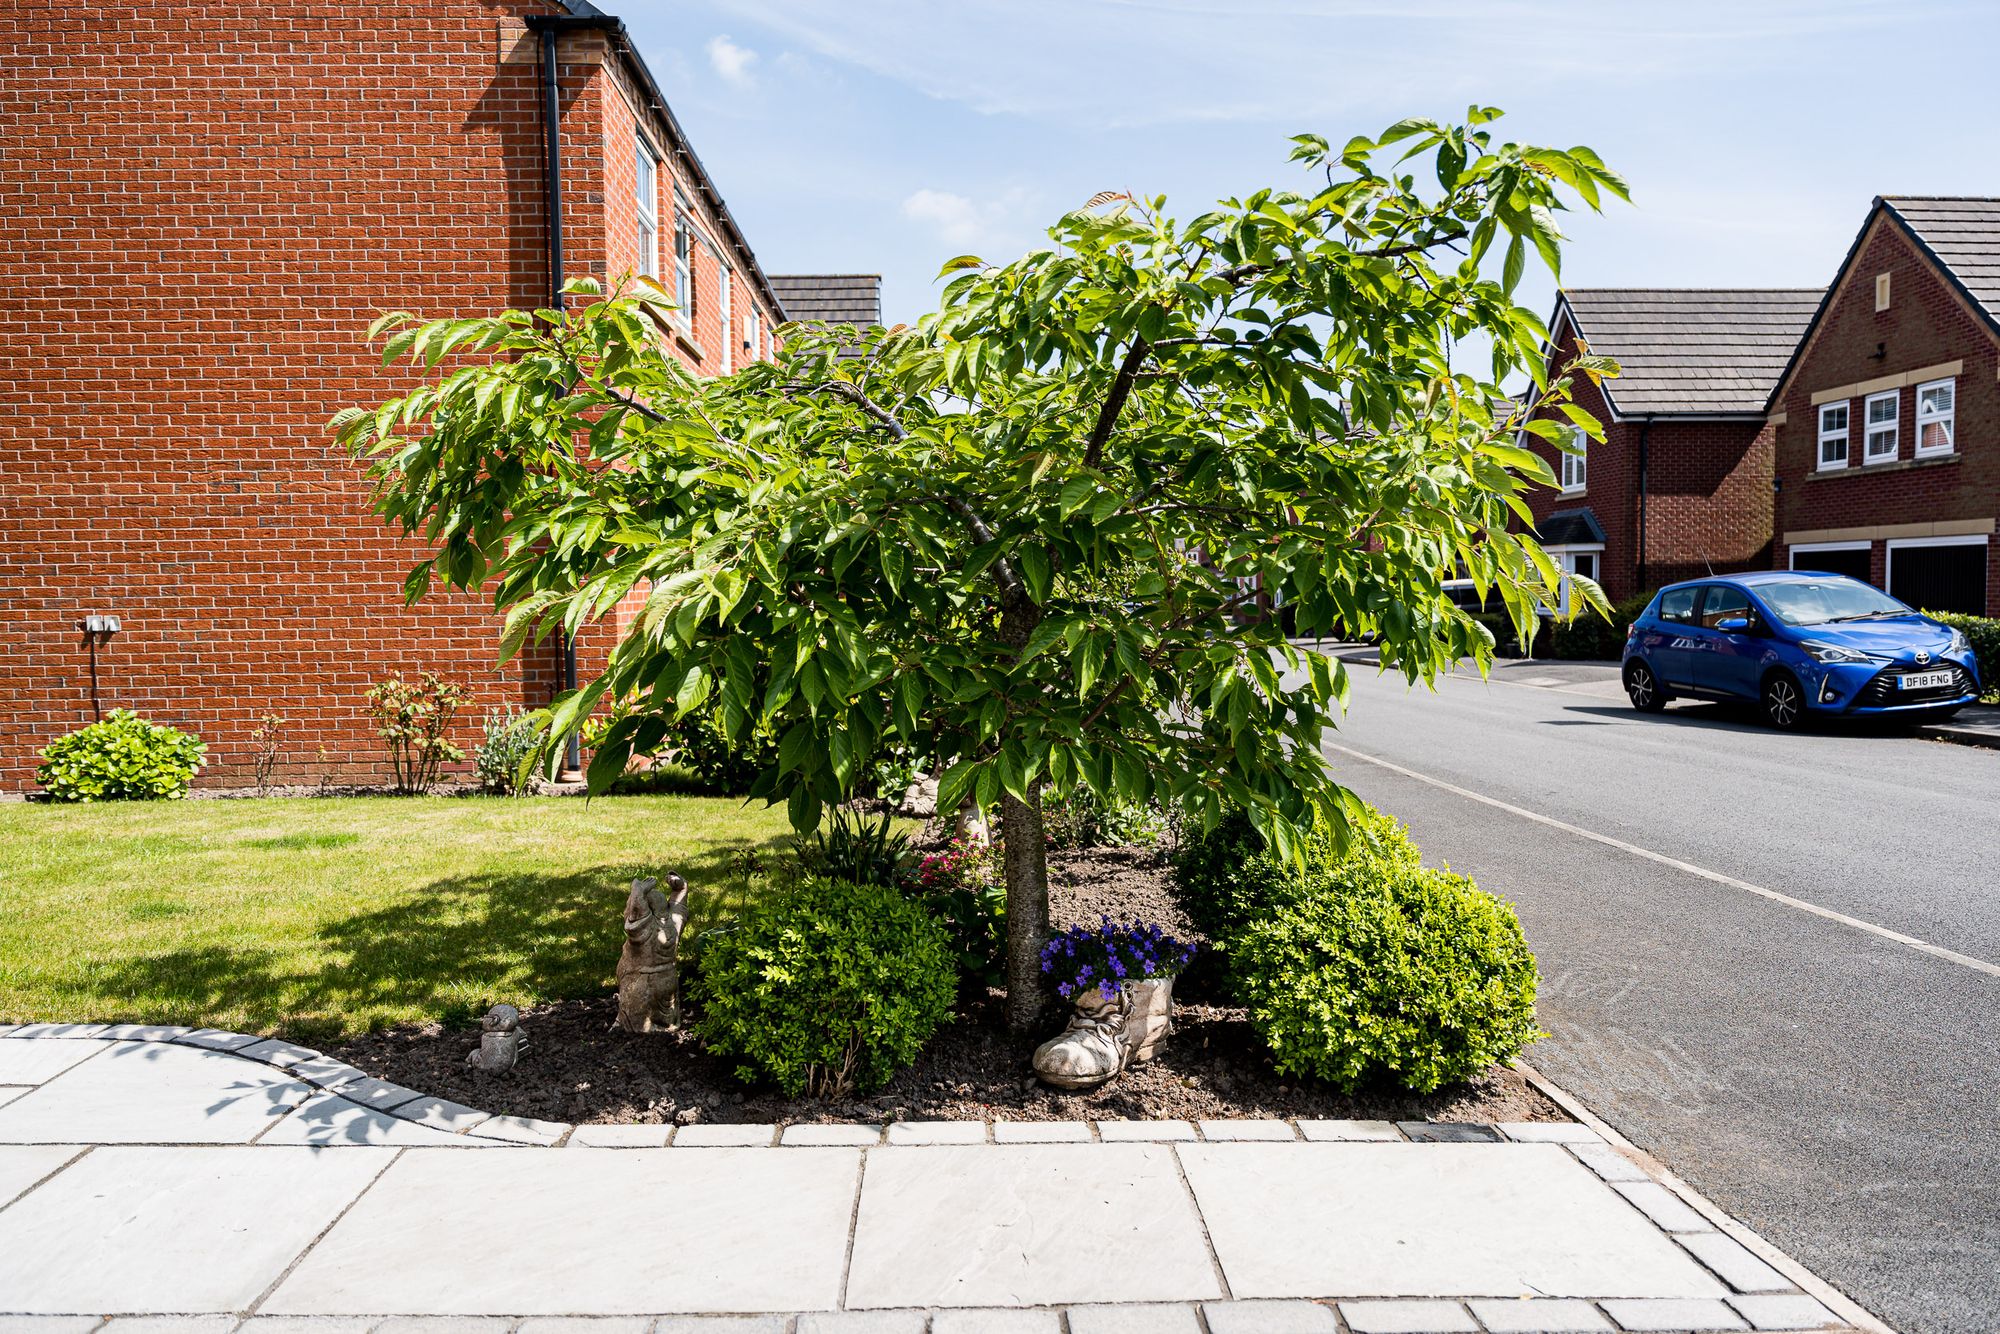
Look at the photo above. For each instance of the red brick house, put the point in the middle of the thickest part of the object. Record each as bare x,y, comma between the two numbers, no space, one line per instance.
205,205
1888,415
1681,482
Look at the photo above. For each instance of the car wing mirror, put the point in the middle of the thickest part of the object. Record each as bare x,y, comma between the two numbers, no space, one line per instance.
1733,625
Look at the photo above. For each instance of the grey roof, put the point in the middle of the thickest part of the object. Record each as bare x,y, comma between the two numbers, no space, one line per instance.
1691,351
1577,527
1964,236
831,298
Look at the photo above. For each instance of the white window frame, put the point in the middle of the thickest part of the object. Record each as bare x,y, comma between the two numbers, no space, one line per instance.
722,272
646,194
1949,420
684,246
1810,548
1565,556
1826,436
1892,428
1575,468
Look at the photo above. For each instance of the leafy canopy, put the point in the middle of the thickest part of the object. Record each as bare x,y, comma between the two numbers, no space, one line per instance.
1022,537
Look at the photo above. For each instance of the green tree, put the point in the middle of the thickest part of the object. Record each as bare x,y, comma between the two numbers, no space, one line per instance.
1026,537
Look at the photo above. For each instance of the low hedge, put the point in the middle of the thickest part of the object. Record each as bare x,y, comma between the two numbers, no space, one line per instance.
121,757
1984,632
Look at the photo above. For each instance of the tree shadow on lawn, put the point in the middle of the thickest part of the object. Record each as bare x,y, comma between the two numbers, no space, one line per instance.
446,952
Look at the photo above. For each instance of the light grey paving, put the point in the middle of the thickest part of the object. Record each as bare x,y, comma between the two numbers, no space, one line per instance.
378,1094
1739,1268
47,1324
863,1322
1550,1132
972,1226
171,1217
327,1073
443,1324
1679,1316
8,1094
1540,1316
152,1093
329,1119
1608,1163
1136,1132
995,1320
938,1132
1791,1310
725,1136
736,1230
1041,1132
819,1137
308,1324
1136,1318
1268,1317
1664,1207
22,1165
44,1031
1246,1130
146,1032
1326,1131
1442,1220
218,1039
521,1130
1407,1317
170,1324
38,1061
619,1137
276,1051
440,1113
722,1324
585,1324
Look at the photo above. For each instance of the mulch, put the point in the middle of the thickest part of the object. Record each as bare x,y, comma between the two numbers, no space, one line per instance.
576,1068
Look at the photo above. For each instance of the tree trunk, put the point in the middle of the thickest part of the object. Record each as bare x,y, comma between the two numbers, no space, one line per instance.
1026,859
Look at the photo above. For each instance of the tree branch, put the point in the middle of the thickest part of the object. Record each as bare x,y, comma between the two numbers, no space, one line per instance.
1114,402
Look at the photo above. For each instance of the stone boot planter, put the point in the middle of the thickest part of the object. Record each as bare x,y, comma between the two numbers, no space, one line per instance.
1105,1035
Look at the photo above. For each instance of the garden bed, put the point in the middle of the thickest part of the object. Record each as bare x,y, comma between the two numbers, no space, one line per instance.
576,1069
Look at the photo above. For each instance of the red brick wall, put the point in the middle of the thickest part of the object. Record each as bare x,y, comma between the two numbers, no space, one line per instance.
205,206
1708,487
1927,324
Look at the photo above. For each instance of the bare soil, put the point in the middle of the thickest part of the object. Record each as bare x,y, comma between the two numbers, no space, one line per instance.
575,1068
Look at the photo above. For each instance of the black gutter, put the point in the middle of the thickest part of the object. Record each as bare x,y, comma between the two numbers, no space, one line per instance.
552,152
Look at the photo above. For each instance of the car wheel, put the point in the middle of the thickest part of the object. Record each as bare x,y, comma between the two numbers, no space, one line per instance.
1644,689
1784,701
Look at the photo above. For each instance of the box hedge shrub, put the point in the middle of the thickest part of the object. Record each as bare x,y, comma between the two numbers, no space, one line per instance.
1406,975
826,988
121,757
1984,632
1226,879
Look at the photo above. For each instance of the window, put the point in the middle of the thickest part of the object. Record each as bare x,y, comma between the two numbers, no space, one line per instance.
1574,468
1720,603
646,186
1881,291
683,258
1574,561
1585,564
752,335
1832,435
1677,605
1937,408
1883,411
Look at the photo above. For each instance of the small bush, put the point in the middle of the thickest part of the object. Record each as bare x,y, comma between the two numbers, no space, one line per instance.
853,847
413,717
1227,880
1080,819
1413,976
121,757
510,739
826,989
1984,632
962,888
267,741
701,746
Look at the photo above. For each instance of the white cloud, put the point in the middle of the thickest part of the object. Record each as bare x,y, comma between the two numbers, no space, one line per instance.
734,63
967,223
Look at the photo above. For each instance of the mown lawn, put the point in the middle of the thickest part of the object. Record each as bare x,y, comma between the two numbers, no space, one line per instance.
332,916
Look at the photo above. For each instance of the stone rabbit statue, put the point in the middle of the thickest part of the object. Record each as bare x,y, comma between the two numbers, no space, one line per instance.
500,1041
649,975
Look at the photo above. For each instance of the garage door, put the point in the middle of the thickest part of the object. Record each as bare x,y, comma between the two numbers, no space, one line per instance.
1854,563
1940,578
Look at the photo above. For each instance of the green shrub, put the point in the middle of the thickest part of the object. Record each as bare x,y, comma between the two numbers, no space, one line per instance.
121,757
1412,976
853,847
1984,632
1080,819
961,886
412,719
1226,880
826,988
509,740
701,746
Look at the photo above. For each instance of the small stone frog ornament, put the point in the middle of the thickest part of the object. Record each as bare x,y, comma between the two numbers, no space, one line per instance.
649,976
500,1041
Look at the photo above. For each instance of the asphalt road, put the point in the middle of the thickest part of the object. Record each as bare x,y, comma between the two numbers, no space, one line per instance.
1835,1088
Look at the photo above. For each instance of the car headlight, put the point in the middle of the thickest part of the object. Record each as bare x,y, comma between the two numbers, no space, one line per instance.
1837,653
1959,643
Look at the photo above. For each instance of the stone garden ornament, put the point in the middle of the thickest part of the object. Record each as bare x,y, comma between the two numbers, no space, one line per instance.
649,975
500,1041
1119,981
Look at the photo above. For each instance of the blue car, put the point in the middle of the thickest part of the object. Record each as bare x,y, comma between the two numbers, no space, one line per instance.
1799,644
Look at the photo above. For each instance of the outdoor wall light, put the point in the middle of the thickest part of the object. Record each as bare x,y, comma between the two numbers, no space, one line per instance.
96,630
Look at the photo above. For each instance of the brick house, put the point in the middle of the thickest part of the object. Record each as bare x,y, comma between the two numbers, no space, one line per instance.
1681,482
206,205
1888,415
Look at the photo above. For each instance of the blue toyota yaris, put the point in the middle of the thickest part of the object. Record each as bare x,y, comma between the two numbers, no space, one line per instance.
1797,643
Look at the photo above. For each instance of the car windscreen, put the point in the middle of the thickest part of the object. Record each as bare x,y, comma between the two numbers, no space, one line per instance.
1817,601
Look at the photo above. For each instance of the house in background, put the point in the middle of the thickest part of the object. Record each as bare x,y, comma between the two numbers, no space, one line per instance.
1888,416
206,206
1681,483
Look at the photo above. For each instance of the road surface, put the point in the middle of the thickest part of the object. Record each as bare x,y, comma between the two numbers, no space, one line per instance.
1772,960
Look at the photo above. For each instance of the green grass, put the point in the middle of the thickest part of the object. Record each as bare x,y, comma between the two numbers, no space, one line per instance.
328,917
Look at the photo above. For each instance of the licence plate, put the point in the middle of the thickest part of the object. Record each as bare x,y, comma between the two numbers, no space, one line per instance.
1923,680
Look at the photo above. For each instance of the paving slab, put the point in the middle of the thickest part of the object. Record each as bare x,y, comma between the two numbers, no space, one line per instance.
378,1094
1247,1130
722,1324
1538,1315
1323,1131
720,1231
1407,1317
1664,1207
585,1324
1608,1163
168,1215
1549,1132
821,1136
325,1072
1739,1268
276,1051
44,1031
146,1032
698,1136
440,1113
1135,1318
38,1062
22,1165
521,1130
152,1093
1141,1132
864,1322
996,1320
1037,1224
443,1324
1041,1132
620,1137
218,1039
1439,1220
938,1132
1268,1317
1791,1310
1448,1132
1682,1316
47,1324
331,1120
307,1324
170,1324
10,1092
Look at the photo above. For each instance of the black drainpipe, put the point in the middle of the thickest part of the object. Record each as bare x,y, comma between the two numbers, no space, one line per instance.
552,155
1645,426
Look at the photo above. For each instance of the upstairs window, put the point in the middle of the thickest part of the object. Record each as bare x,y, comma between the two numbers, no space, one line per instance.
1884,411
683,258
646,189
1832,435
1937,410
1575,466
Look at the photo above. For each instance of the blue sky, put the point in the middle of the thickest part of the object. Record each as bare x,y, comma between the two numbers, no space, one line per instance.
889,135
